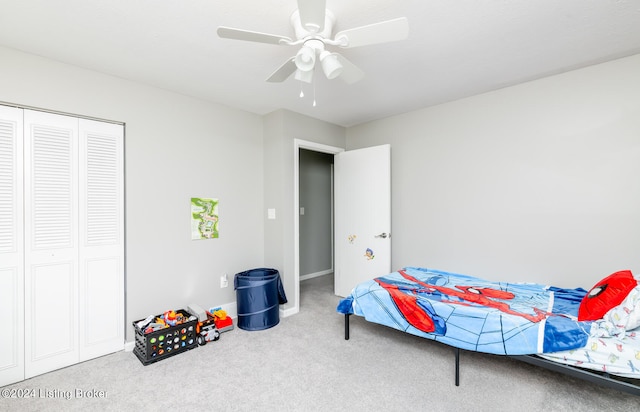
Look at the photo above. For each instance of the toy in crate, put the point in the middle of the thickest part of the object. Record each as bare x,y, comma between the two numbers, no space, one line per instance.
162,336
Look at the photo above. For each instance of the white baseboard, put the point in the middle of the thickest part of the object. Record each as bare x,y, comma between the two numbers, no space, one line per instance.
128,346
230,308
316,274
289,312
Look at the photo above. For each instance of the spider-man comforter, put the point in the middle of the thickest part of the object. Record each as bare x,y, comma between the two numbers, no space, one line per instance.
471,313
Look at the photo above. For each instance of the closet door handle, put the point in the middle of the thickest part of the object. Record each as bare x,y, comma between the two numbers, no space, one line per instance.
383,235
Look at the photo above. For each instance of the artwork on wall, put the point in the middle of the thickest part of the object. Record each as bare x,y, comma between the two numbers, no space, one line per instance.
204,218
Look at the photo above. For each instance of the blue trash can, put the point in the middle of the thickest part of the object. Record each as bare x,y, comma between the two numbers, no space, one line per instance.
259,292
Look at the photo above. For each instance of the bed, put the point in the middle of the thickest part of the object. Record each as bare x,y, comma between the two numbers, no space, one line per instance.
593,335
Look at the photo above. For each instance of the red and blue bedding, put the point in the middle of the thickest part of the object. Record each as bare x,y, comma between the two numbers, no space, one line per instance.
471,313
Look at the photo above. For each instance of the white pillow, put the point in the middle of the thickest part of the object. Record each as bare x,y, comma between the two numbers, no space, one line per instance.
627,314
621,318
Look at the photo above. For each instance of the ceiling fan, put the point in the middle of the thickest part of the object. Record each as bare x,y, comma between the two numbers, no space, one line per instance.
313,24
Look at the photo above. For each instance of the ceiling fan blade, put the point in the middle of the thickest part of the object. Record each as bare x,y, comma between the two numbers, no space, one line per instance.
385,31
247,35
350,72
312,14
283,72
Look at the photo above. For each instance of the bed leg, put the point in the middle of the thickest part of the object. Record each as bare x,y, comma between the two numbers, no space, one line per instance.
457,350
346,326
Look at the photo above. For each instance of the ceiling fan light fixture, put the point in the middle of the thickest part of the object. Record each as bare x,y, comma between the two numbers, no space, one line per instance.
304,76
305,59
313,25
330,65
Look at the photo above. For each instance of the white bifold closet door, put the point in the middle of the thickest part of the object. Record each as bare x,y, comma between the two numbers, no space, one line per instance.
11,246
51,241
73,241
101,243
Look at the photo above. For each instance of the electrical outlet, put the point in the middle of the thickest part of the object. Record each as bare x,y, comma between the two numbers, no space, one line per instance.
224,281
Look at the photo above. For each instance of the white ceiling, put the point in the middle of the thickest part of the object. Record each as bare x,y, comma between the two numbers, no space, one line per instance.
455,49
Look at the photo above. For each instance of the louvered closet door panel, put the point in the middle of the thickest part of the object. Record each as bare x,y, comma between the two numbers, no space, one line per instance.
11,247
51,246
101,239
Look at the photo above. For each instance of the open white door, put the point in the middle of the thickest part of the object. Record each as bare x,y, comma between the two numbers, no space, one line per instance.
362,216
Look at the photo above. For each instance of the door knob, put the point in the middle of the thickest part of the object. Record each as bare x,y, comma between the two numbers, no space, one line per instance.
383,235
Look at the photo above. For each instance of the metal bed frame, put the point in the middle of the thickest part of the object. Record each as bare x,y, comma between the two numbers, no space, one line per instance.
599,378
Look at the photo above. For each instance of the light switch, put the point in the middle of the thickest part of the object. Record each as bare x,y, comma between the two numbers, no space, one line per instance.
271,214
301,211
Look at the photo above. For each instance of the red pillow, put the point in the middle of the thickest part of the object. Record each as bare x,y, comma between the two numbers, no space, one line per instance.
606,294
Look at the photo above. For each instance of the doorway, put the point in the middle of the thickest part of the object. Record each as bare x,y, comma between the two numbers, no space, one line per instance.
315,213
318,151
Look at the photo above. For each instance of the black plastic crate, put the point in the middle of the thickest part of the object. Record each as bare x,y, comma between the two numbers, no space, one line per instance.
164,343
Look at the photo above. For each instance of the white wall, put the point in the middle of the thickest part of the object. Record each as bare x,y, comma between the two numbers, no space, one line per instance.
176,147
537,182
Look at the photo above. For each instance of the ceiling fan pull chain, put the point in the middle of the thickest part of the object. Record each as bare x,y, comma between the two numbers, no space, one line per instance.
314,94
